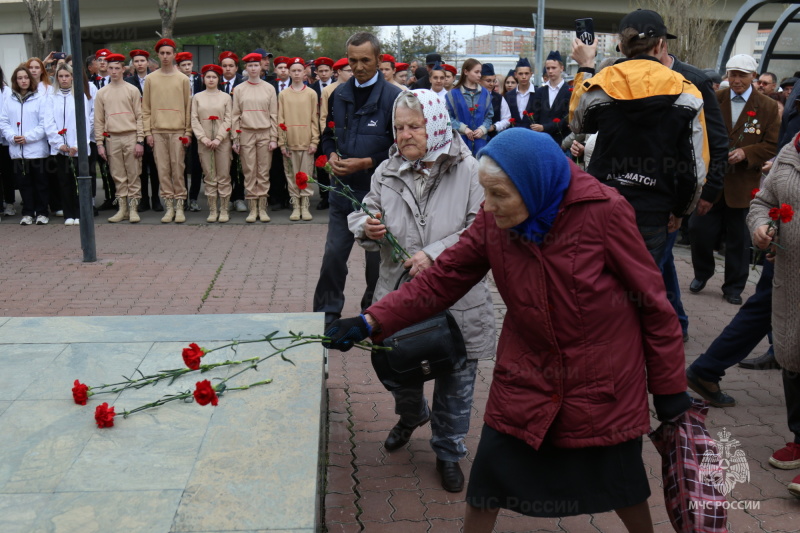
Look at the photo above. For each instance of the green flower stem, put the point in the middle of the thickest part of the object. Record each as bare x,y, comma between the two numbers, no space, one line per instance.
398,252
245,387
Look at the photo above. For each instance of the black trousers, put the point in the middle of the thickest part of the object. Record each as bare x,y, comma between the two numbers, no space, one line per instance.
68,185
33,186
237,178
278,190
7,179
704,232
322,177
54,194
791,391
149,176
195,170
329,294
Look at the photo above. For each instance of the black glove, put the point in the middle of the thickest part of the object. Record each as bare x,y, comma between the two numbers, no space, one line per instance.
670,406
345,332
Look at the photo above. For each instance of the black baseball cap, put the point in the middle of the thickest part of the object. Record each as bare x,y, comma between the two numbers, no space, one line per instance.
648,23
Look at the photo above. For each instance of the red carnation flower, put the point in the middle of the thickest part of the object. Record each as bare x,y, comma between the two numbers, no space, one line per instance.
104,416
18,124
321,161
751,114
213,117
331,124
526,113
238,131
205,393
754,192
63,132
228,129
282,126
301,178
80,393
556,120
787,213
105,134
570,89
184,140
512,121
472,109
192,355
774,213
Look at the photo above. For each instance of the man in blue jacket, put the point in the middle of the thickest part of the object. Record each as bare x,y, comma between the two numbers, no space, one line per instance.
361,110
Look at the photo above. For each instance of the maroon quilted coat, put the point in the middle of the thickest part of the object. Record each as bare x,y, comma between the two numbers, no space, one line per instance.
588,329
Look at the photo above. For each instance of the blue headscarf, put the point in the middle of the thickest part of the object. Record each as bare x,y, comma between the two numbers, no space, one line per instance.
540,172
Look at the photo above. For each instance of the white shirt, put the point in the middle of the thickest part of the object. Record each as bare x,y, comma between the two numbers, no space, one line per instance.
373,81
738,107
505,116
553,91
284,84
522,99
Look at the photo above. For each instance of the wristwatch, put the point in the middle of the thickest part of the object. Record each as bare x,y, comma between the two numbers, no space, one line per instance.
140,143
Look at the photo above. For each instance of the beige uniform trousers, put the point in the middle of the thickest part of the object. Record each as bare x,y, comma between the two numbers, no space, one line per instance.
256,158
124,165
299,161
217,178
169,154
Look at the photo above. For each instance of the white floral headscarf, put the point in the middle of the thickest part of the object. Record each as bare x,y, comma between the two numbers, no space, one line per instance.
437,126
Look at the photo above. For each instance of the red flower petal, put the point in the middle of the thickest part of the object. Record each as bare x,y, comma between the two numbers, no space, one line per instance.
205,394
192,356
301,178
321,161
104,416
754,192
80,393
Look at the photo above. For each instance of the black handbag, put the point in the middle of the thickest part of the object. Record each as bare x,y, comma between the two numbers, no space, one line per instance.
422,352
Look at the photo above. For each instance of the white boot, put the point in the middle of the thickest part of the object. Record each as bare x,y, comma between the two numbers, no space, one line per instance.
179,216
169,211
133,212
305,202
122,214
295,216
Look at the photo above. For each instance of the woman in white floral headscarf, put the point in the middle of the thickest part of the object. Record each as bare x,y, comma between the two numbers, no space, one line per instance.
428,192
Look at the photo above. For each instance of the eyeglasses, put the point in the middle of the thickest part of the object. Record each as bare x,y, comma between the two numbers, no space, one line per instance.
346,70
765,82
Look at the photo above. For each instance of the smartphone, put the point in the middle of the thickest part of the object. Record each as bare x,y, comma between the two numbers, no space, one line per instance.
59,55
584,29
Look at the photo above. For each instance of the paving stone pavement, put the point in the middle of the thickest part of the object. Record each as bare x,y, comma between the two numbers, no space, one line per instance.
198,268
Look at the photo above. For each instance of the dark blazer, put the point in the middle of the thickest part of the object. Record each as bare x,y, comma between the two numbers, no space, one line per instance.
96,81
317,86
759,147
230,85
134,80
544,114
516,114
716,131
422,83
276,82
197,83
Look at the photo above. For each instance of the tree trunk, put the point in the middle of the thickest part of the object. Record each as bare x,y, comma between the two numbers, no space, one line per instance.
41,45
168,9
47,43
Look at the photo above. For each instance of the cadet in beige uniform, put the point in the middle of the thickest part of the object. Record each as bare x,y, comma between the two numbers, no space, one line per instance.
119,137
255,135
211,122
166,119
297,111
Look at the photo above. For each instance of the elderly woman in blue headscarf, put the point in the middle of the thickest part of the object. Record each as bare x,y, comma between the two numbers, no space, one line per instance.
588,333
427,192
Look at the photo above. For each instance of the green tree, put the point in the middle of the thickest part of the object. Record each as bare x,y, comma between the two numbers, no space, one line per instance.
329,42
423,41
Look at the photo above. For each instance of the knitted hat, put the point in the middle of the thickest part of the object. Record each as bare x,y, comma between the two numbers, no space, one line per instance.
538,169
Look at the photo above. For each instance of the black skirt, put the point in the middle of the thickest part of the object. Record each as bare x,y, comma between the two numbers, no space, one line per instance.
551,482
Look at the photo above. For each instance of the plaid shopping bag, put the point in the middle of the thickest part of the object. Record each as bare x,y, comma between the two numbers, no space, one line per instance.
691,472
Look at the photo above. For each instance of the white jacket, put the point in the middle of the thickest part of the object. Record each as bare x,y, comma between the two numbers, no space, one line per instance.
26,117
5,91
63,117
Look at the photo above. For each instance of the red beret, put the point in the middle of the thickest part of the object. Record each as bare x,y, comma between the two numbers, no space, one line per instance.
388,58
280,59
180,57
451,69
103,52
211,68
113,58
165,42
252,58
343,62
135,53
323,61
228,55
297,61
400,67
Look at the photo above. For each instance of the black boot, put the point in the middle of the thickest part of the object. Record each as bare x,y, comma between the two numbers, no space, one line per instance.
156,203
452,476
144,204
765,362
400,435
323,204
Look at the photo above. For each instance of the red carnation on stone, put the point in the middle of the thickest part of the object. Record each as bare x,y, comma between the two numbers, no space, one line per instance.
754,192
104,416
205,394
321,161
192,356
282,126
80,393
301,178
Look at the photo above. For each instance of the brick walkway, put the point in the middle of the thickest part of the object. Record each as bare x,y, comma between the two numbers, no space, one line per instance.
235,268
